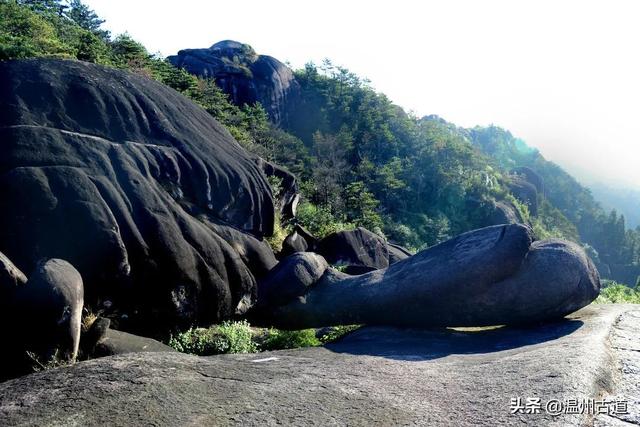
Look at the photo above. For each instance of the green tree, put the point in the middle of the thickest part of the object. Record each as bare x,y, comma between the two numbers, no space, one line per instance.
26,34
86,18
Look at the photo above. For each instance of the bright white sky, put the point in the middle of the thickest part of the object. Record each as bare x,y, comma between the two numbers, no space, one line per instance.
563,75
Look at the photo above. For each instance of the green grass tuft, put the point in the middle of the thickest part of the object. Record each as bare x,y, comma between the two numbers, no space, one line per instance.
278,339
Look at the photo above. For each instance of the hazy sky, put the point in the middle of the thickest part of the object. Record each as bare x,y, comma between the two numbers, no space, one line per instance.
563,75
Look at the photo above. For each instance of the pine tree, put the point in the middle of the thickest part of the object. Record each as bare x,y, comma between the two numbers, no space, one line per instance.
86,18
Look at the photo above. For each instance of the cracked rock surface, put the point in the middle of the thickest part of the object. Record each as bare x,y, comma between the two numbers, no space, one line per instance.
625,347
376,376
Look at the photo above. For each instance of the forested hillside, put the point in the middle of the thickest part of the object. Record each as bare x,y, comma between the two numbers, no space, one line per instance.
625,200
360,159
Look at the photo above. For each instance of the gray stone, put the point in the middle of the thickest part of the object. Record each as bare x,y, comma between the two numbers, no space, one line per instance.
524,191
299,240
359,247
531,176
375,376
291,278
494,275
288,197
504,213
397,253
245,76
161,211
10,276
10,279
293,243
48,310
625,349
118,342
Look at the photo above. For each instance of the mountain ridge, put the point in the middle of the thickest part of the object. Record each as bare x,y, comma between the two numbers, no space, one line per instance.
360,160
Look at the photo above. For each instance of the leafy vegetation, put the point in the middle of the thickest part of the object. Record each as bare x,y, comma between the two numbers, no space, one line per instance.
240,337
569,210
228,337
360,159
278,339
336,333
613,292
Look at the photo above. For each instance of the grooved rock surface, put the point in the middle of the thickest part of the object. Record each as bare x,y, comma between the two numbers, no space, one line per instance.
493,275
376,376
150,198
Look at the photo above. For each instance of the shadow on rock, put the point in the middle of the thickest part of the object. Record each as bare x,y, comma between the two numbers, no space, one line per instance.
428,344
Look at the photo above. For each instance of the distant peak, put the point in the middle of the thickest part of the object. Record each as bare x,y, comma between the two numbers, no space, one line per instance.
231,48
227,44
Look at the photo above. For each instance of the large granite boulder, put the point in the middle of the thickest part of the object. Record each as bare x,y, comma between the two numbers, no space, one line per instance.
151,199
524,191
245,76
503,212
359,247
530,176
40,317
291,278
299,240
397,253
486,213
48,310
491,276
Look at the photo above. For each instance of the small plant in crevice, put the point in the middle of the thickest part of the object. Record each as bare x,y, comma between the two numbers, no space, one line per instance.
335,333
38,363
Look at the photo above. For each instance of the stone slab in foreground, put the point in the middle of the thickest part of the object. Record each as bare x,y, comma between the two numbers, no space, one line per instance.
378,376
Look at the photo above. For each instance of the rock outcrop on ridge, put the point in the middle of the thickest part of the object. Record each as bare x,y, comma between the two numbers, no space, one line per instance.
244,75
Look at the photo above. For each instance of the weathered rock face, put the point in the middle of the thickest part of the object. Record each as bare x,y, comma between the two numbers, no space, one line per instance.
299,240
359,247
291,278
397,253
504,213
48,309
531,176
245,76
10,279
142,191
524,191
491,276
288,197
293,243
40,317
360,251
